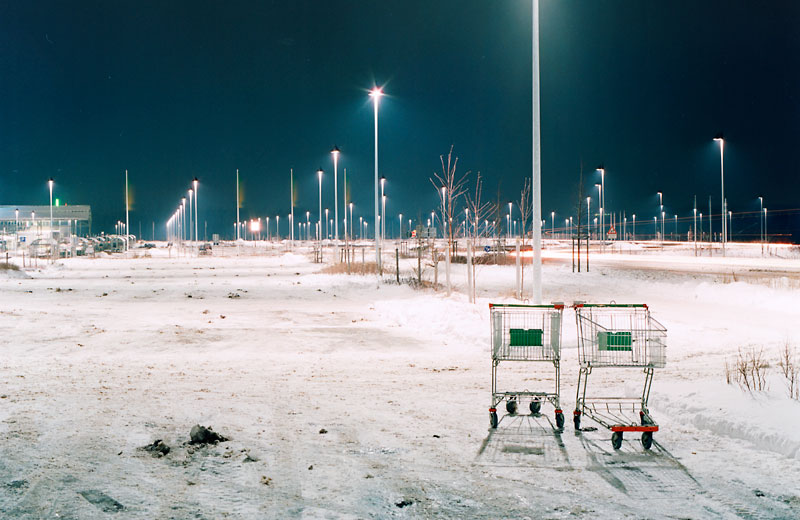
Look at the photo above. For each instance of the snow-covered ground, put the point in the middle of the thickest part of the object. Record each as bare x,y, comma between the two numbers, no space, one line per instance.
103,356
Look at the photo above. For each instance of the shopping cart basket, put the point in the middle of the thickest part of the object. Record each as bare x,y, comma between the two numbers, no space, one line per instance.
526,333
618,336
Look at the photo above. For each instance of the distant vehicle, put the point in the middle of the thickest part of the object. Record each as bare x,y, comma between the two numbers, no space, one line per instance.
147,245
205,249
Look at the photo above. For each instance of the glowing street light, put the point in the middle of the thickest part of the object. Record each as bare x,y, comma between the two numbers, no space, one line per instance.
721,140
376,94
195,182
602,200
400,218
351,220
510,206
319,222
634,227
50,184
588,216
335,152
761,222
191,202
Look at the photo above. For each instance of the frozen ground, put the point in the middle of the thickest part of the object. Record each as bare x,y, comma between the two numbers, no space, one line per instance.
101,357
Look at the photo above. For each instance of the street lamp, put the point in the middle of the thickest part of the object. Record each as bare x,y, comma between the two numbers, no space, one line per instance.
383,211
376,94
730,224
660,212
383,217
400,218
195,182
191,202
761,222
510,205
721,140
319,223
588,217
602,200
553,224
634,227
655,226
328,229
50,184
335,152
351,220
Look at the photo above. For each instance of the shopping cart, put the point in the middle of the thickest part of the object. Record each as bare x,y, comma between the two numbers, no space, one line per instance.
618,336
526,333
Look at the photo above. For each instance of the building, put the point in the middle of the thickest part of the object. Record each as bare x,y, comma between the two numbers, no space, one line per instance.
29,223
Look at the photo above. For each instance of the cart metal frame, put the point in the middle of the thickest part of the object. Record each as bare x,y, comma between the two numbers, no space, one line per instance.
618,336
529,333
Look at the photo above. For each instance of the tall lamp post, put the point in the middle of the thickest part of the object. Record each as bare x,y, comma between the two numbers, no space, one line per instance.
127,207
761,222
50,184
319,223
634,226
191,227
376,94
660,212
195,182
335,152
721,140
536,184
602,201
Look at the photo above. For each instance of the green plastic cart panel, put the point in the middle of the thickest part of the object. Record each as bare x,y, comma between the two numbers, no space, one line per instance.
614,341
526,337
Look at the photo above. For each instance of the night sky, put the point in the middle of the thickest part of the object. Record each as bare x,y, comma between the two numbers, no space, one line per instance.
172,90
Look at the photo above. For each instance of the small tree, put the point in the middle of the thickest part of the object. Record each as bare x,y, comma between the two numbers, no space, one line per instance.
478,211
525,213
450,189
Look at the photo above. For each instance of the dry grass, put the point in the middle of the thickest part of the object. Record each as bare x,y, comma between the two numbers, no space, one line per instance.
9,267
748,370
355,268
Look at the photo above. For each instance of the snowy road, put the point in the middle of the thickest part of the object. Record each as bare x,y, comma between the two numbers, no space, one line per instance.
345,400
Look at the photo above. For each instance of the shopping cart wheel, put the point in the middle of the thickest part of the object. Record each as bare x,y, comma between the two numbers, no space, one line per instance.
616,440
511,406
536,406
493,419
559,420
647,440
576,420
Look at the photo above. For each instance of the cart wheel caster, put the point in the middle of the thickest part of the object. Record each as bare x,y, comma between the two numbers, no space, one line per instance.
511,406
535,407
616,440
576,420
493,420
560,420
647,440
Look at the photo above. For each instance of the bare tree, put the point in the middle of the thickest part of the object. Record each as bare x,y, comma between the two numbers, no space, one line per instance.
478,210
450,189
525,213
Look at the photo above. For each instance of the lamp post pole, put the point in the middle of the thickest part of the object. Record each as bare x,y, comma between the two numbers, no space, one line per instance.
634,226
536,184
50,184
761,222
376,93
319,222
721,140
335,152
127,207
195,182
